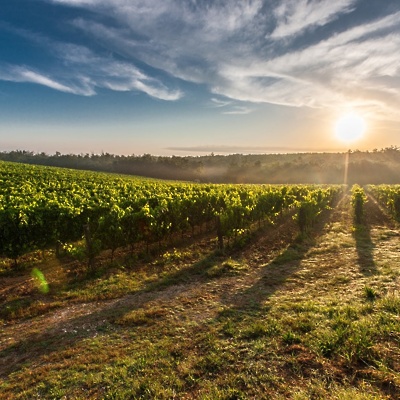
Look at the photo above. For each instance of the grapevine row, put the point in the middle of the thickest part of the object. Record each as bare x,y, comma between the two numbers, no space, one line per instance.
387,196
358,200
41,207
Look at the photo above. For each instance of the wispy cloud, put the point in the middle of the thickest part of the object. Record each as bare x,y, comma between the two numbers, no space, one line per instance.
80,71
295,16
220,103
238,110
359,65
243,51
230,107
106,72
24,74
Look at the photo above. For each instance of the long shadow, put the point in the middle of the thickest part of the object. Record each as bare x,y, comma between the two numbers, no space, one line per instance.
373,216
273,276
64,334
364,247
275,273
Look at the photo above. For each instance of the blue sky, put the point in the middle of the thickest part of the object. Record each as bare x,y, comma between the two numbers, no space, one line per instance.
197,76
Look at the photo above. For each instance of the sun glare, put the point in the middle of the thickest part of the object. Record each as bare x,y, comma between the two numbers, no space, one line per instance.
350,127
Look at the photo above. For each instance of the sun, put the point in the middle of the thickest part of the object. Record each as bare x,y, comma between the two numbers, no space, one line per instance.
350,127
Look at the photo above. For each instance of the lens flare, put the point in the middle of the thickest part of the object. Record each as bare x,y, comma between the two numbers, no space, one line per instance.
40,280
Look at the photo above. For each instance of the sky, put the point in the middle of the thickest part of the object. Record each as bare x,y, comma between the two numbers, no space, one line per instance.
191,77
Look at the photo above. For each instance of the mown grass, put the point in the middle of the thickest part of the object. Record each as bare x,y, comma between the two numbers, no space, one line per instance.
312,323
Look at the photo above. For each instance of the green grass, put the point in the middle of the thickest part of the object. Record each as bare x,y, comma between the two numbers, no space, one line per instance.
192,322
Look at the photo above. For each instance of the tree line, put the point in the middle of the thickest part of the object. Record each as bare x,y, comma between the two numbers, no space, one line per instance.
364,167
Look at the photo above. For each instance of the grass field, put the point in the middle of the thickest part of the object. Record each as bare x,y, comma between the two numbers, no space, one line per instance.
281,316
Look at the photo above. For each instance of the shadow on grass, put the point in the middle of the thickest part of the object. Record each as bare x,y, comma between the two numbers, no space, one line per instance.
273,276
364,247
275,273
373,216
62,335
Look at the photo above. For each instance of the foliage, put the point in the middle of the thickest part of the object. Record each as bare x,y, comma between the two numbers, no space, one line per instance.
388,196
312,203
278,320
41,207
365,167
358,199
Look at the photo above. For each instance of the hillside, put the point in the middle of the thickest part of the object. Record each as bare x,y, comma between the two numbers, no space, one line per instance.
281,316
378,166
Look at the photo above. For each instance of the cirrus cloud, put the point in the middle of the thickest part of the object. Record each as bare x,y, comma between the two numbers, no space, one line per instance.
296,53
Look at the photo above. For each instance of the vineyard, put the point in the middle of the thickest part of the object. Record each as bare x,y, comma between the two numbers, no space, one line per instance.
41,207
117,287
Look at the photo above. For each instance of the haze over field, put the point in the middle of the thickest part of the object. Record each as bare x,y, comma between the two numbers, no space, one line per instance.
195,77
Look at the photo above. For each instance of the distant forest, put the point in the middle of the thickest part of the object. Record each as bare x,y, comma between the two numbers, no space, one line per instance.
377,166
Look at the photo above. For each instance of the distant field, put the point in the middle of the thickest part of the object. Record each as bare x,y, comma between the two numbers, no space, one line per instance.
115,287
